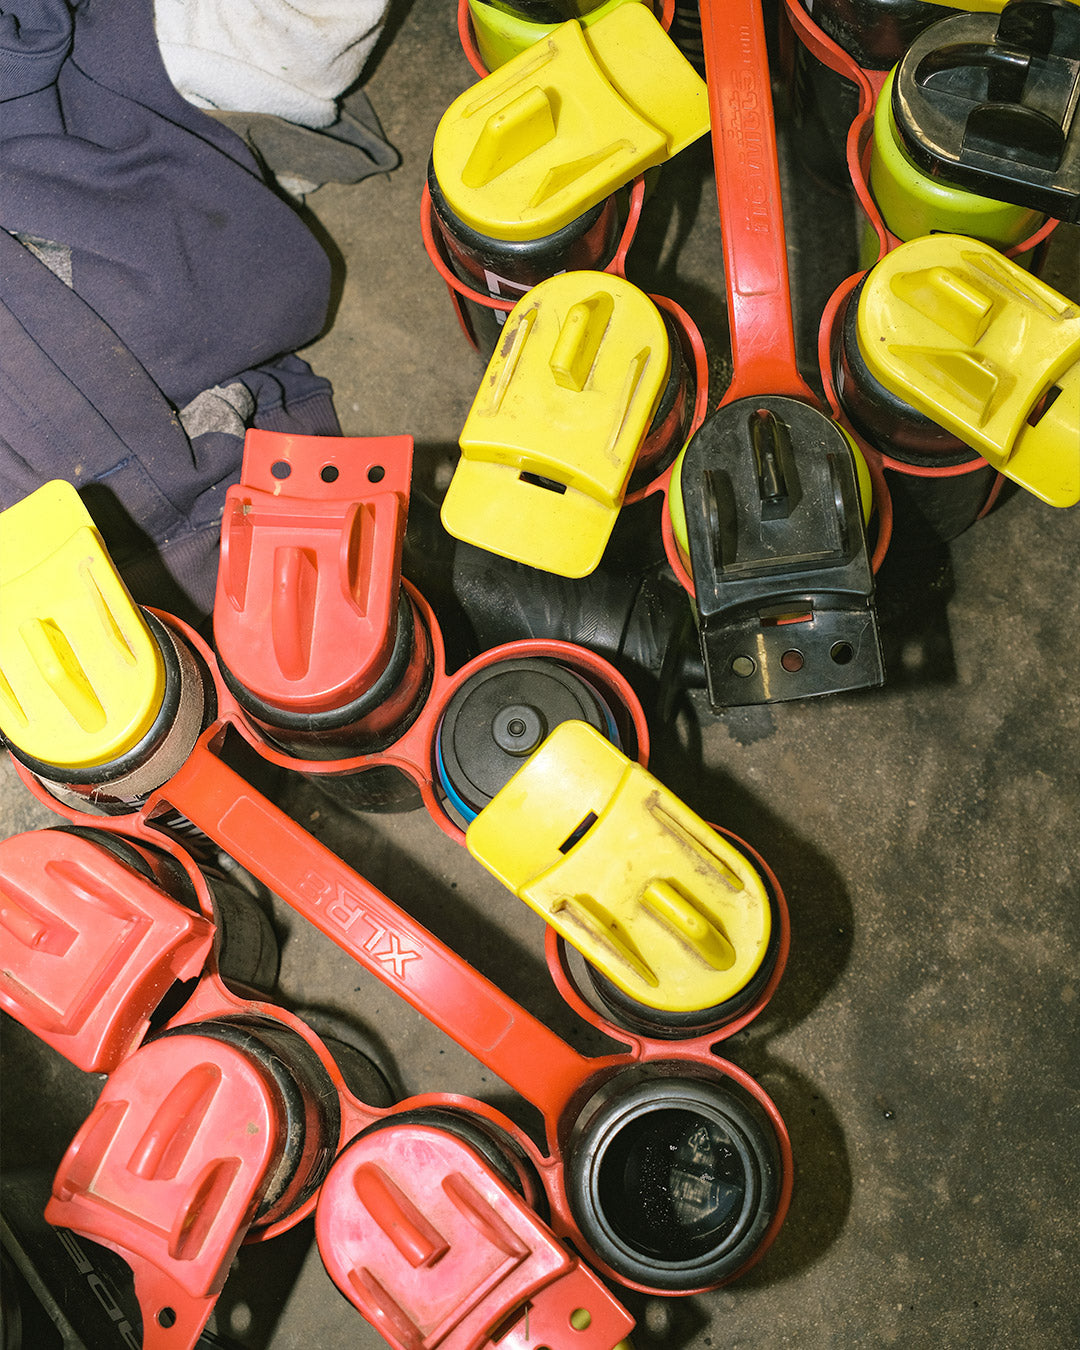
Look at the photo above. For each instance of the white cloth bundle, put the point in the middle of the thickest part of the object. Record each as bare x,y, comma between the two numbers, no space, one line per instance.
289,59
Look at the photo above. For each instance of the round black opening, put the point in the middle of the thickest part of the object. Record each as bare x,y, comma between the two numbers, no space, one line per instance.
281,468
329,473
842,653
672,1184
673,1180
376,473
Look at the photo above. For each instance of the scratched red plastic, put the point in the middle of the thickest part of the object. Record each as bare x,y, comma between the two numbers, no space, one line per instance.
90,946
310,567
168,1170
437,1252
516,1046
382,937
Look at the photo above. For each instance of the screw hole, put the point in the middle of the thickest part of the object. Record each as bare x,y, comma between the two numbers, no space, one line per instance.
792,660
281,468
581,1319
842,653
166,1318
329,473
376,473
743,666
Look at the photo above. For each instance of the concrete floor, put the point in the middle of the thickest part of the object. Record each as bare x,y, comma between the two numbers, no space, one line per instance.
923,1043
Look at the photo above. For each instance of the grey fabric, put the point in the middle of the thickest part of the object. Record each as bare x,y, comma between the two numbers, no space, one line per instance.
349,150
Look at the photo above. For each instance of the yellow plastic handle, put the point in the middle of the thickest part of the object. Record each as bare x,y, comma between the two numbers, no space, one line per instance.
551,439
81,675
988,351
651,895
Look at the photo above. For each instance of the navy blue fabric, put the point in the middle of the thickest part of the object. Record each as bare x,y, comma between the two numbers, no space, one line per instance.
177,243
75,404
187,271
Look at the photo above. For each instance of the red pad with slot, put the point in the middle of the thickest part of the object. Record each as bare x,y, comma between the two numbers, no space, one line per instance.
435,1250
169,1170
90,946
305,614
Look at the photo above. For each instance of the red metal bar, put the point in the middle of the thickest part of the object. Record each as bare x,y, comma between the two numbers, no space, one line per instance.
748,192
386,941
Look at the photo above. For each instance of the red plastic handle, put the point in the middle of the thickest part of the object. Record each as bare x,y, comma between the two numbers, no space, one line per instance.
748,192
305,614
433,1248
364,922
90,947
168,1171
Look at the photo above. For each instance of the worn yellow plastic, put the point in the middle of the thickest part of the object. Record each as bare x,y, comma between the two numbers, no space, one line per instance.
81,676
650,894
988,351
553,433
500,36
539,141
678,514
913,204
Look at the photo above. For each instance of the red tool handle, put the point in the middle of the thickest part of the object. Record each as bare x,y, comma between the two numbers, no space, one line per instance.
364,922
748,192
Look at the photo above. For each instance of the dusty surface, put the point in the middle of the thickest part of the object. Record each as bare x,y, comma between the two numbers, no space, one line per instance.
922,1045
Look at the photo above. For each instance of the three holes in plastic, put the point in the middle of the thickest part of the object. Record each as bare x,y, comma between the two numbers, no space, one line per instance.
841,653
329,473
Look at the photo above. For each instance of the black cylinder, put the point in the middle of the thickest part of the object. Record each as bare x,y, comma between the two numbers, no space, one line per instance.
506,268
673,1177
875,34
823,107
926,510
499,717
